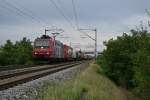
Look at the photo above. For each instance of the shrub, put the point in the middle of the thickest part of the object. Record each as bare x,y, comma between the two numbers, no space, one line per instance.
126,60
18,53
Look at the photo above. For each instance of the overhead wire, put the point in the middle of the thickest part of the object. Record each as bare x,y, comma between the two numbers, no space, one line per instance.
30,12
64,9
62,13
77,23
76,20
19,12
24,14
87,35
75,14
11,10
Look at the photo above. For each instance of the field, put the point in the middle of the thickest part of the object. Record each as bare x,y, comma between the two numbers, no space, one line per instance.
87,85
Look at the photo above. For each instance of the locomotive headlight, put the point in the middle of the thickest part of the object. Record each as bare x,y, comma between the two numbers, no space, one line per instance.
47,53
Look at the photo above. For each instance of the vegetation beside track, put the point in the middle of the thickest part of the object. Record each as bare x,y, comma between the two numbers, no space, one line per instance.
126,61
89,85
18,53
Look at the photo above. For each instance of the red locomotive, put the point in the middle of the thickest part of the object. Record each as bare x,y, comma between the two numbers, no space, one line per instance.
43,47
49,48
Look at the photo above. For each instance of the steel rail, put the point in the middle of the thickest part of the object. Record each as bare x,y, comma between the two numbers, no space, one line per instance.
19,79
10,73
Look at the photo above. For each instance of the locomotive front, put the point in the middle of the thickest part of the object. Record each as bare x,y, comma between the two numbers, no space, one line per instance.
43,48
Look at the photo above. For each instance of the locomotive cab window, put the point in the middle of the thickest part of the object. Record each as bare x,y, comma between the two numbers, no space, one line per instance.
42,43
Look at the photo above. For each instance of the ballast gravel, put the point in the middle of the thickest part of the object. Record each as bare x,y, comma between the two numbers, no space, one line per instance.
31,90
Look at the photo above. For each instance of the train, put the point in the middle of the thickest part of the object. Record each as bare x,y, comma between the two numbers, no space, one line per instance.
47,48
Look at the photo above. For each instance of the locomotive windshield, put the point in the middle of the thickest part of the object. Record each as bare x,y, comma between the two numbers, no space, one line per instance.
41,43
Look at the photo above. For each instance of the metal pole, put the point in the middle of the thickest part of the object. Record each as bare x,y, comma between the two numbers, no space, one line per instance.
95,39
45,31
95,43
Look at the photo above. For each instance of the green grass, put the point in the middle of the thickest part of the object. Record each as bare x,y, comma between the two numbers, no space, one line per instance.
95,86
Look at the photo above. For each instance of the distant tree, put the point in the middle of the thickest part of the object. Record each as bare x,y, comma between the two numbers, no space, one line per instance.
24,51
7,53
18,53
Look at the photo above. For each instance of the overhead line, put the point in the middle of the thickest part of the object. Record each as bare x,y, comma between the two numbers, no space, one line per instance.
17,9
2,6
30,12
62,13
20,12
61,5
86,35
76,20
75,14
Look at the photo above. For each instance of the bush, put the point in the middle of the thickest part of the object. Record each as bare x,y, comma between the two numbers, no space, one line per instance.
18,53
127,61
24,51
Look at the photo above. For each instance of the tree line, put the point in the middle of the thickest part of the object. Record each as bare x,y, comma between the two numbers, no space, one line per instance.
17,53
126,61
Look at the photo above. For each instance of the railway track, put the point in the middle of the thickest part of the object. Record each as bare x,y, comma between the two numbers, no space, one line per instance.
18,76
13,67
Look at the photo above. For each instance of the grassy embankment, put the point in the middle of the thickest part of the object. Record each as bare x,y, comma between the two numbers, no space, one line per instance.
88,84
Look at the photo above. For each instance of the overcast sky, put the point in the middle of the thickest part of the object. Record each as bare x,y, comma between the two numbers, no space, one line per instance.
28,18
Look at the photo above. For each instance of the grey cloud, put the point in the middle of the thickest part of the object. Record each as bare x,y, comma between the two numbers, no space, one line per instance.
111,17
